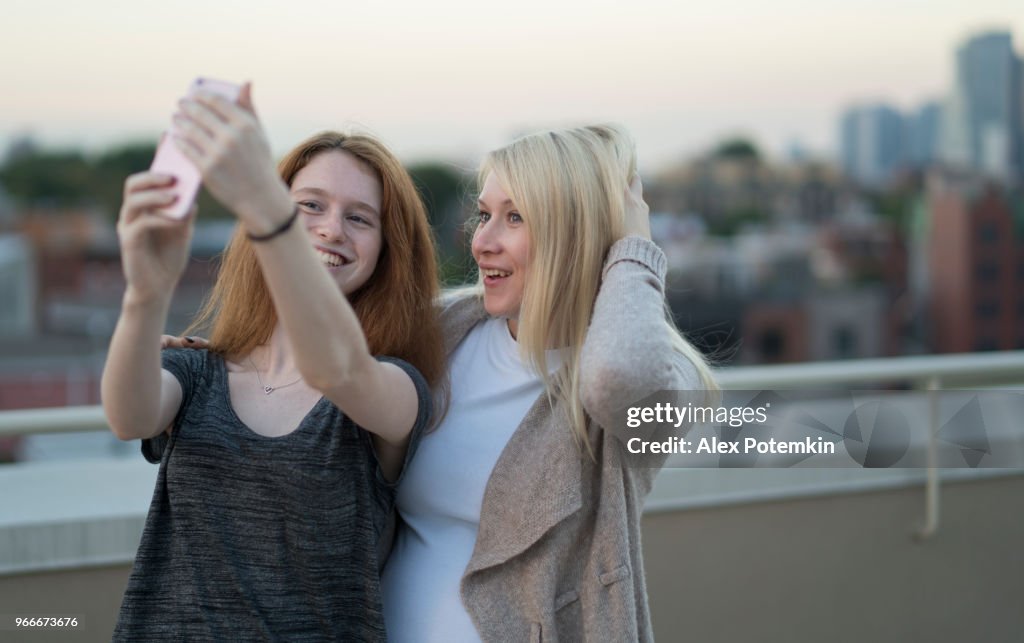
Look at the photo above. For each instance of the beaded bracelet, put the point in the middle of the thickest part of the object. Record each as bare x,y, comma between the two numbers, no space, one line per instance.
279,230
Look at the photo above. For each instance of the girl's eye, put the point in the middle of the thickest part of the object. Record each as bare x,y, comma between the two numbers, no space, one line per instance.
358,218
515,217
312,206
483,217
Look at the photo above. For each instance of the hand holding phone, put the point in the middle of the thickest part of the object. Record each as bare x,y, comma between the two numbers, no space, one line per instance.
170,160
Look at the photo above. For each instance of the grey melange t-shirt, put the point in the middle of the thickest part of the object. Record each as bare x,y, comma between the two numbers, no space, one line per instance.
253,538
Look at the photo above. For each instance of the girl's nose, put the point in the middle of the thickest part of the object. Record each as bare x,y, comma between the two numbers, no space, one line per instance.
332,228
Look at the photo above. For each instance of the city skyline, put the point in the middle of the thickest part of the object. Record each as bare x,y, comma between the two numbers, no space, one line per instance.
977,125
451,80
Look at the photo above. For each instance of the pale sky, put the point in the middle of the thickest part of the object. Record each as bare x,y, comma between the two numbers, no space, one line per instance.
450,79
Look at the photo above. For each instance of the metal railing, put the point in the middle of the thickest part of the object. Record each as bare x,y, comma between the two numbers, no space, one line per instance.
961,369
926,372
930,372
67,419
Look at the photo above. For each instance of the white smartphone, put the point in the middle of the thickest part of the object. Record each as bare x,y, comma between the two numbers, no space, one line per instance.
170,160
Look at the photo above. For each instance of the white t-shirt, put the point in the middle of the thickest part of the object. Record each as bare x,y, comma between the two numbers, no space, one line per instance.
442,490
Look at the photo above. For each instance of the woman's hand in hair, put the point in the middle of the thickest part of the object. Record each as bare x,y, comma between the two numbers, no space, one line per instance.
227,143
154,248
637,212
183,341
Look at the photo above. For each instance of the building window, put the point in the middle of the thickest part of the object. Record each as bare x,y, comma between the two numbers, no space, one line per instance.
988,233
989,309
771,344
985,344
844,342
987,271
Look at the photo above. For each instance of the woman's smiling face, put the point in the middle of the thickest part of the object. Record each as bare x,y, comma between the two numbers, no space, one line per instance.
340,197
501,248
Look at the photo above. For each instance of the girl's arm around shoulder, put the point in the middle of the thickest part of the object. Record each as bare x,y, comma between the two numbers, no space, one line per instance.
628,353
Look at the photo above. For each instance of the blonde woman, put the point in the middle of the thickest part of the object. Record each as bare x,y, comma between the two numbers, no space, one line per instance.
279,446
519,522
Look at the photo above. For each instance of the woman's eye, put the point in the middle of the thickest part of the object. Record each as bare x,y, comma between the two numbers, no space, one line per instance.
515,217
358,218
483,217
312,206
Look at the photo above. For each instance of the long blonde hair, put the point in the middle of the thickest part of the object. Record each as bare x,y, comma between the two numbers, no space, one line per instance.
570,187
396,305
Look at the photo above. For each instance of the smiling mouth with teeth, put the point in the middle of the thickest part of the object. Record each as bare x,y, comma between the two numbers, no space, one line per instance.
491,272
330,259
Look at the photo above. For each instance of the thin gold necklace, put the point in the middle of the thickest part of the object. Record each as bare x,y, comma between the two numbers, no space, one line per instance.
267,389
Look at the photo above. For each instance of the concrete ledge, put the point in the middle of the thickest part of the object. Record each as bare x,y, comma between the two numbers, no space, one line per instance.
90,513
65,515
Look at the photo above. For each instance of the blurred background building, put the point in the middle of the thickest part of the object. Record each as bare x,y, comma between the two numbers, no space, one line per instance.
983,127
876,142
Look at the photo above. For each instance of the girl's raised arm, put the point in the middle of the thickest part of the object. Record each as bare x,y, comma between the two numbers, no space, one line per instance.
226,142
139,398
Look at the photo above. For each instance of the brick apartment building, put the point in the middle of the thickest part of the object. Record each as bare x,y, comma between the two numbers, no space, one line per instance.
975,268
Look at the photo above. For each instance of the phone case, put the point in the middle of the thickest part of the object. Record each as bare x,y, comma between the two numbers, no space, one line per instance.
170,160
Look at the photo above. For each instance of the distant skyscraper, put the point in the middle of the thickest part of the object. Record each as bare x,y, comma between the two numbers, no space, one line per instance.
796,152
982,124
923,131
872,143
